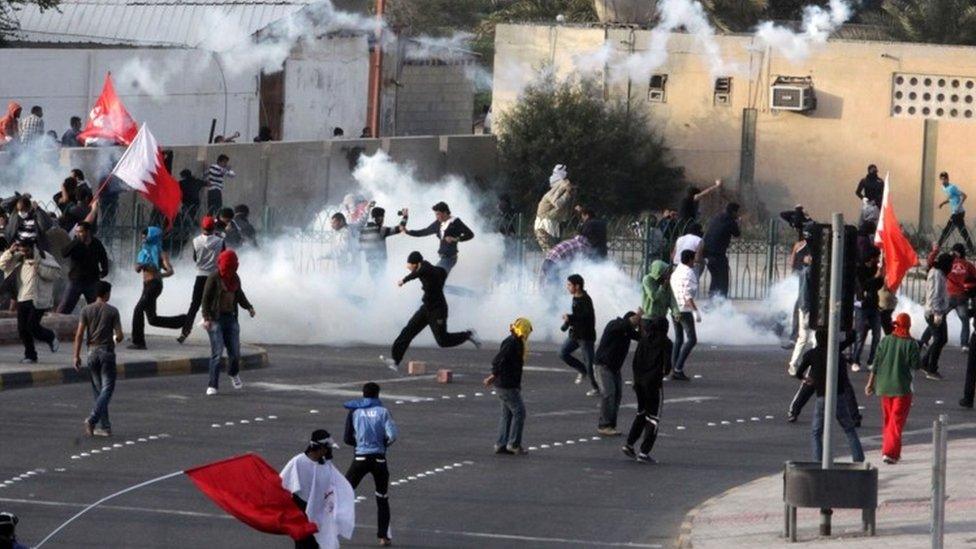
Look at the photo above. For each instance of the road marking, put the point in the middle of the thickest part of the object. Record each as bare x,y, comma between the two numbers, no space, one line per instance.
631,405
329,389
117,508
560,541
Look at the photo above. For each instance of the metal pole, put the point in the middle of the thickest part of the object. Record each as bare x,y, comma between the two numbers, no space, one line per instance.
940,441
833,348
376,72
770,256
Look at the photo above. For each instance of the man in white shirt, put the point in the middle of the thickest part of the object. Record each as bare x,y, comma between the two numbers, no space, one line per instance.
321,492
206,247
690,240
684,285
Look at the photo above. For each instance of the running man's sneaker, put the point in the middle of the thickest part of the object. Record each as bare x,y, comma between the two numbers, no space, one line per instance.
791,369
644,458
516,450
579,379
473,338
855,367
89,429
935,376
55,344
608,432
386,542
390,363
592,393
99,432
628,451
679,376
965,348
28,361
502,450
236,382
211,391
791,418
889,460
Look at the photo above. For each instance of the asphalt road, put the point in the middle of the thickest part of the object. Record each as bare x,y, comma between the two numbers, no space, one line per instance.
720,430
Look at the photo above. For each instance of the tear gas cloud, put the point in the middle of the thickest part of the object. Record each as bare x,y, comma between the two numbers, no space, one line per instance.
817,25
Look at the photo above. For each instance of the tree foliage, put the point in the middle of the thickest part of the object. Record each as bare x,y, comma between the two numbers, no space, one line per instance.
611,152
8,13
934,21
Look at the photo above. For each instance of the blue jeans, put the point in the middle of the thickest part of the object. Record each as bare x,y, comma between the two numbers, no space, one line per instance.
866,320
610,382
447,262
685,340
585,369
101,366
846,420
512,419
225,333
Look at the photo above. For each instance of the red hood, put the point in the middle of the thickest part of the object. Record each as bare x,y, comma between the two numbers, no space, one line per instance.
13,109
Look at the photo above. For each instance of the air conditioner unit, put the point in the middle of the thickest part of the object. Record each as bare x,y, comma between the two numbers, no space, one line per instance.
793,93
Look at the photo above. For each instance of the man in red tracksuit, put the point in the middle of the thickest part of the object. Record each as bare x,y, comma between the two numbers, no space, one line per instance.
961,284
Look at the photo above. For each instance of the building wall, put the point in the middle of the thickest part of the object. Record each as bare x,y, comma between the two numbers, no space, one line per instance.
815,159
326,86
434,99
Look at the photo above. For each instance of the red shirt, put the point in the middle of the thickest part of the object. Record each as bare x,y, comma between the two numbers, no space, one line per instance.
962,277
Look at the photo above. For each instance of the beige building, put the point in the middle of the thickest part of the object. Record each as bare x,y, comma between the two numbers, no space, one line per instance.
909,108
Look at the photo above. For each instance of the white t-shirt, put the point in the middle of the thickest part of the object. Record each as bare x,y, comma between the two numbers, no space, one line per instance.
686,242
330,498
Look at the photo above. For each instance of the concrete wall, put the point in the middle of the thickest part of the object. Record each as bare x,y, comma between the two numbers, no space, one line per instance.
434,99
297,179
814,159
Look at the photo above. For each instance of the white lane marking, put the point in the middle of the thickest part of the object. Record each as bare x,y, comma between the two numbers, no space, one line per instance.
215,426
244,422
259,419
272,417
226,423
711,424
680,427
532,448
313,411
754,419
117,508
327,389
769,417
631,405
479,394
559,541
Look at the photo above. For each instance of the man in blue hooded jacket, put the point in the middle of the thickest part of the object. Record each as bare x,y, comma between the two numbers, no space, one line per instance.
370,427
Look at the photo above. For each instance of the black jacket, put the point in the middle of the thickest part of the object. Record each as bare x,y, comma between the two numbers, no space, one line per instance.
719,234
652,359
872,188
88,263
595,232
815,360
507,364
582,321
456,229
432,280
615,343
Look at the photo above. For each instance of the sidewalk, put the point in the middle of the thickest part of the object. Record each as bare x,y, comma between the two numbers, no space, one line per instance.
751,515
164,357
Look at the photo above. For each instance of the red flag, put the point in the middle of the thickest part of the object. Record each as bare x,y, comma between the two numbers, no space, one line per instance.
250,490
141,168
899,255
108,118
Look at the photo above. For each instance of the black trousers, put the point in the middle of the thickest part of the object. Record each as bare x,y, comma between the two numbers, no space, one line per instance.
969,388
718,269
650,397
307,543
145,311
940,335
957,221
29,327
436,318
195,300
887,324
215,201
375,465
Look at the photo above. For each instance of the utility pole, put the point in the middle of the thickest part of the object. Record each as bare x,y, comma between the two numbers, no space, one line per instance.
376,71
833,352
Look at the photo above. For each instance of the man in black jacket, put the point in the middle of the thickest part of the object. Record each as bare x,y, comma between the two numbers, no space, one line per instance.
652,361
450,230
721,230
610,355
581,324
432,312
871,187
89,264
506,377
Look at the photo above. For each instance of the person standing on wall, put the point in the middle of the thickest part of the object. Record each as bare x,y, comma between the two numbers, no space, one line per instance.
689,207
206,248
371,430
721,230
957,214
891,379
222,295
581,324
450,230
215,183
100,326
554,209
871,191
684,285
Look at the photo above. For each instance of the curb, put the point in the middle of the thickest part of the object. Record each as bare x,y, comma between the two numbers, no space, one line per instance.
684,540
252,358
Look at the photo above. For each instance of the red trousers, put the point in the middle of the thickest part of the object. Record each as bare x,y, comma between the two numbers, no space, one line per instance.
894,414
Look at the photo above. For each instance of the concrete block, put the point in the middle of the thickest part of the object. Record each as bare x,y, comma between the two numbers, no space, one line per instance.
416,368
445,376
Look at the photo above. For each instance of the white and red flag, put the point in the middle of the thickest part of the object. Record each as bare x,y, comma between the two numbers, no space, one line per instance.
899,255
141,169
108,118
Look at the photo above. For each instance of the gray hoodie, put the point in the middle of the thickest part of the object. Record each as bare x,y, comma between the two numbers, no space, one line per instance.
936,294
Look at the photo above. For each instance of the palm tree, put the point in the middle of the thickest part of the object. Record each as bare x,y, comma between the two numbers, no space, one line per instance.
735,15
933,21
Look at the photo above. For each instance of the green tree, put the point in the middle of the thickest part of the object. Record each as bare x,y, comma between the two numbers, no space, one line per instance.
8,13
934,21
619,163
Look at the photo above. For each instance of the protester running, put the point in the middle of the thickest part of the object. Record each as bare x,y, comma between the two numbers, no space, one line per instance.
581,325
506,377
206,248
371,430
321,492
609,359
450,230
154,264
891,379
372,240
34,273
957,214
432,312
936,307
222,295
684,284
99,327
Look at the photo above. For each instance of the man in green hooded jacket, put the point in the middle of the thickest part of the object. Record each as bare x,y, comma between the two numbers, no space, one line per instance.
657,299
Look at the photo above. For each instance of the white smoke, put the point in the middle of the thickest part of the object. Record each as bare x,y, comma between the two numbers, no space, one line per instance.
815,28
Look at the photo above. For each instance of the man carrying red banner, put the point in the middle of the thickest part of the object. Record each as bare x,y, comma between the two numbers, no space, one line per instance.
322,492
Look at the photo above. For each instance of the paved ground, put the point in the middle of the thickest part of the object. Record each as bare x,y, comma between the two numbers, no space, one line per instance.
722,430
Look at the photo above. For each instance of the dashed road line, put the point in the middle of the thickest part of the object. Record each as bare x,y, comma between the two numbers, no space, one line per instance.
259,419
118,445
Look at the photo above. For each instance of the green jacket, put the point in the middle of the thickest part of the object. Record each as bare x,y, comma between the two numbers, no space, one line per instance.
894,362
656,296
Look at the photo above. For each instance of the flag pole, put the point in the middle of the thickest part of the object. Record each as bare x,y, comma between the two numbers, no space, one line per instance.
103,500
